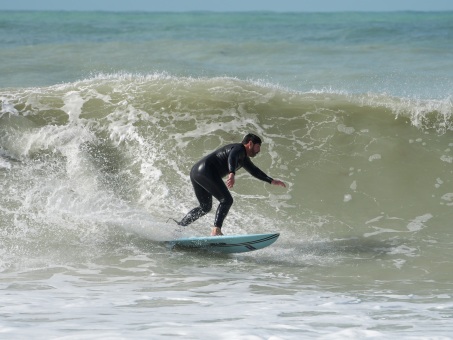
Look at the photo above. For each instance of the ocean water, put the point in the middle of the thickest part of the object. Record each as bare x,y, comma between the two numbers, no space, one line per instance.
103,114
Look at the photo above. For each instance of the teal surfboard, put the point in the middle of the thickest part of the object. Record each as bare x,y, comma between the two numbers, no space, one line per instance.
225,244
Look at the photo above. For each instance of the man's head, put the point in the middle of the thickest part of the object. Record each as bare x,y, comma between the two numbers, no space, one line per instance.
252,144
251,137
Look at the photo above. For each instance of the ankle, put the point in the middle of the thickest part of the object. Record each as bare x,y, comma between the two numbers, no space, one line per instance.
216,231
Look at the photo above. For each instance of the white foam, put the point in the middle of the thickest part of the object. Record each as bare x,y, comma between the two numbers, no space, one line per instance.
439,182
7,107
446,159
4,164
353,333
418,223
374,157
376,219
448,197
380,231
345,129
73,103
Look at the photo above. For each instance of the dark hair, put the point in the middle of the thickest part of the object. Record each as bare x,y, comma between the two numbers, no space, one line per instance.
251,137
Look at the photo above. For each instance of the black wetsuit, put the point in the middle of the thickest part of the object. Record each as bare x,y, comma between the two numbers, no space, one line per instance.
206,176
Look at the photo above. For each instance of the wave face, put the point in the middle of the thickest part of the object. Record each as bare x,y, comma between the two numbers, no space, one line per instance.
116,150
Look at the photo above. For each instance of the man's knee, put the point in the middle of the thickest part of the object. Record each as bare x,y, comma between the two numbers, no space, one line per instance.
227,201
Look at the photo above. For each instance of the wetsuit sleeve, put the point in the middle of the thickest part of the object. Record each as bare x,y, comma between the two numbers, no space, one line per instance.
255,171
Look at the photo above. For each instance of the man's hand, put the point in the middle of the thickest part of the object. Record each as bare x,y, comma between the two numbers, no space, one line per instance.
279,183
230,180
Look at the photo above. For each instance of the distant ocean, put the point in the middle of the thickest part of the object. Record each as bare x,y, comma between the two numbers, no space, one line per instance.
103,114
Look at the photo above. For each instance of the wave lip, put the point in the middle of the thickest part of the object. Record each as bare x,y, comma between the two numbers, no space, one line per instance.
107,88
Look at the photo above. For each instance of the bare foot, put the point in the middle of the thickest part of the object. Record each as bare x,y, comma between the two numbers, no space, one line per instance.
216,231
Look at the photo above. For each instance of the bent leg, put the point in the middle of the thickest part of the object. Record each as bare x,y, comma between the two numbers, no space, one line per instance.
205,200
219,190
226,201
207,183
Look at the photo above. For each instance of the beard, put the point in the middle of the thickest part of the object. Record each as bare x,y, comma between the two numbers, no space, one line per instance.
253,153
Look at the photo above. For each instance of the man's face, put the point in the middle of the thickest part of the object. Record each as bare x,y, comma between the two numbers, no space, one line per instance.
254,150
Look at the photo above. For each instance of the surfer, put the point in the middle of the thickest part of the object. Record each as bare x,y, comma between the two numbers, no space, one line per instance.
206,176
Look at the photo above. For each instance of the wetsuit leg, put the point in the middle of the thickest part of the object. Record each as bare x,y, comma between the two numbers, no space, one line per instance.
226,201
205,200
208,183
214,184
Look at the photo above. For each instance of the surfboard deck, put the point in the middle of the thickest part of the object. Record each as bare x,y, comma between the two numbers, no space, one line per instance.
225,244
